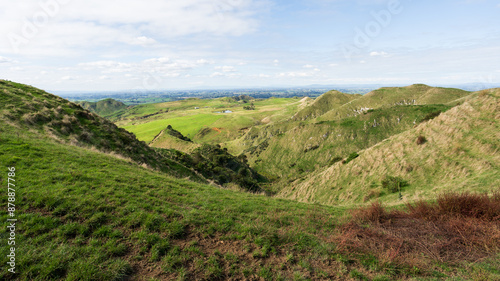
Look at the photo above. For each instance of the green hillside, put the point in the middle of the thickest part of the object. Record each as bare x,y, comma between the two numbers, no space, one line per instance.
291,149
69,123
417,94
104,107
29,108
84,213
298,149
456,151
324,103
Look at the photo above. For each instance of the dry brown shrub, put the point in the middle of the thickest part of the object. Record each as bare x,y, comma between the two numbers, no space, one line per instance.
456,228
421,140
374,213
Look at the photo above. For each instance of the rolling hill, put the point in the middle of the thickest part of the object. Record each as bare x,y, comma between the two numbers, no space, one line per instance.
291,149
417,94
456,151
69,123
29,108
104,107
87,213
324,103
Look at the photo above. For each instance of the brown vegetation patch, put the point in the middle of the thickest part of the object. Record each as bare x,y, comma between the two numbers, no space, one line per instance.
458,227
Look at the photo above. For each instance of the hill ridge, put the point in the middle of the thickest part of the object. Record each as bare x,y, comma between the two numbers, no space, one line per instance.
460,141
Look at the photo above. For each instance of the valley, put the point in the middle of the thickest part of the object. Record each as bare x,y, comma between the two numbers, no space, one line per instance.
400,183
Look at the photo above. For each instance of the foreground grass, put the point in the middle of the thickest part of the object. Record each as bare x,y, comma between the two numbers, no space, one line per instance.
84,215
87,216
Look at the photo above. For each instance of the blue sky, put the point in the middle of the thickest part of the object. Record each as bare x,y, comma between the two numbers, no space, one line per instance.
92,45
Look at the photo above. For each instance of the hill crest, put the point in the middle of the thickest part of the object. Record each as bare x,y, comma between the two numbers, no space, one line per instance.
456,151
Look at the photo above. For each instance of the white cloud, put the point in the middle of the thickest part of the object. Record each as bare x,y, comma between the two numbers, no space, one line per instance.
294,74
308,66
204,62
68,78
5,60
162,65
143,41
216,74
379,54
73,27
225,68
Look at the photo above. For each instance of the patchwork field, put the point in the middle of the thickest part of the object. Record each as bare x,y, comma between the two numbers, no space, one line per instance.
192,115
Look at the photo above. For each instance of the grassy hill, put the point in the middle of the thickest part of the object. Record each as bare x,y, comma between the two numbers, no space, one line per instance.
169,139
104,107
298,149
417,94
88,215
69,123
290,149
29,108
456,151
324,103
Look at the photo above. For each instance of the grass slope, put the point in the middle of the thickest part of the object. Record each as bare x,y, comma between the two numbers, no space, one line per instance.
29,108
323,104
169,141
456,151
86,215
295,149
104,107
417,94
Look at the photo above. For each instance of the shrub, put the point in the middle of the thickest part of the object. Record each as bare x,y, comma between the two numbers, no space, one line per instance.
421,140
351,157
335,160
393,184
373,213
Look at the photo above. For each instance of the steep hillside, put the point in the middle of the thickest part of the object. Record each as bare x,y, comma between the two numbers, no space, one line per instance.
324,103
417,94
456,151
211,161
69,123
290,149
104,107
295,149
84,215
29,108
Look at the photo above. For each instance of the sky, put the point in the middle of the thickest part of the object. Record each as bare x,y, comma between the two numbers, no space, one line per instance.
95,45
